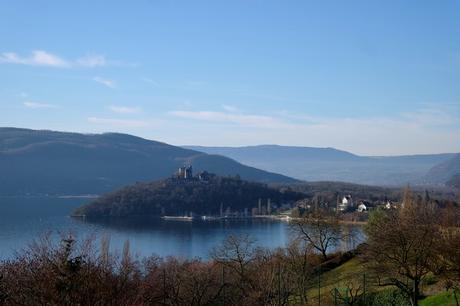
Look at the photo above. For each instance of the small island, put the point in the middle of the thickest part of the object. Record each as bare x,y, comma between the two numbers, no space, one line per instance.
186,196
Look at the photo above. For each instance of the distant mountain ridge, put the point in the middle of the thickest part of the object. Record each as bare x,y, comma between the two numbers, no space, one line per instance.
40,161
329,164
446,170
454,181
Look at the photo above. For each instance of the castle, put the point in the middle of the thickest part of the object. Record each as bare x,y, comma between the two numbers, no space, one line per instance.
185,172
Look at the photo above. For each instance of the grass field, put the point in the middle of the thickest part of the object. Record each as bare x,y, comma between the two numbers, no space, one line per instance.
351,279
346,279
441,299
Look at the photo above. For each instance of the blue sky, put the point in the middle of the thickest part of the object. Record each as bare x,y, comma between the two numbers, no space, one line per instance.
370,77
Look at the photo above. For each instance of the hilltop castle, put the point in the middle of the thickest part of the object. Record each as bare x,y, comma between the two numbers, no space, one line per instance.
185,172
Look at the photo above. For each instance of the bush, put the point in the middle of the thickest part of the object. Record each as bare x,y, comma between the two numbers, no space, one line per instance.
389,297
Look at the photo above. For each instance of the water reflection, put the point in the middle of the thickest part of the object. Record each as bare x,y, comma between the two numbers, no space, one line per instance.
24,219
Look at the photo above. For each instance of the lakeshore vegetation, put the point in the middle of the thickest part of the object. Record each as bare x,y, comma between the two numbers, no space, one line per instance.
411,253
179,197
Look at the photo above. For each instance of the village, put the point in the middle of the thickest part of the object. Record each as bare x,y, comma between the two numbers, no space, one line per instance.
348,208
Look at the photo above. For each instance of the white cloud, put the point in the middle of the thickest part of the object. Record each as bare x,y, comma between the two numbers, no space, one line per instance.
124,109
37,58
105,82
44,58
91,61
422,131
36,105
430,116
118,123
248,120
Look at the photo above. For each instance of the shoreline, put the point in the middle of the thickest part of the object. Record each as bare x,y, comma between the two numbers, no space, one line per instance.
204,218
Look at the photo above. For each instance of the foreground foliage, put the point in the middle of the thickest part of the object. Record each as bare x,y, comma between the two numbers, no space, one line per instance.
408,249
72,273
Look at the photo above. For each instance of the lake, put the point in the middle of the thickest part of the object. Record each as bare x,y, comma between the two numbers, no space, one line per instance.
24,219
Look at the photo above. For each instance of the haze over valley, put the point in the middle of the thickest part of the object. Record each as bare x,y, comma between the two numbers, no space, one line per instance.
48,162
329,164
237,153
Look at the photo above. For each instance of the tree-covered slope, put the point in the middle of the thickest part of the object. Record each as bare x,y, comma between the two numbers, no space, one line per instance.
445,170
329,164
180,197
454,181
41,162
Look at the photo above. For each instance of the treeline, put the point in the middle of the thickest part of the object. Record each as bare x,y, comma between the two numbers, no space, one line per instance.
326,194
407,247
180,197
76,274
332,189
454,181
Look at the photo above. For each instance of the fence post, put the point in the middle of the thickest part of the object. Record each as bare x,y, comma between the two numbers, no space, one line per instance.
279,284
347,299
223,285
319,286
164,286
364,289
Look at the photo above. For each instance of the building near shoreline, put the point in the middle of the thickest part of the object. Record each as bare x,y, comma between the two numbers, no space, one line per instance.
347,201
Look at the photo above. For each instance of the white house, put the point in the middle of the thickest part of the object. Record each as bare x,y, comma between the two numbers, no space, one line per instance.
362,207
388,205
347,201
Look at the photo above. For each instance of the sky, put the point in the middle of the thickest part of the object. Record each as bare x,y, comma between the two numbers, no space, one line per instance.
369,77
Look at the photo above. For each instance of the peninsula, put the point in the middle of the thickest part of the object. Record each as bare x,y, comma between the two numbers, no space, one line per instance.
185,194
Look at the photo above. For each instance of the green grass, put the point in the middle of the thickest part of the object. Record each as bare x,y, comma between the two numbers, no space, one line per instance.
444,299
349,273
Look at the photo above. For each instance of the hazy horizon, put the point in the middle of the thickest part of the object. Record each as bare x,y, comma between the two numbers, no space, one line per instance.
233,146
368,78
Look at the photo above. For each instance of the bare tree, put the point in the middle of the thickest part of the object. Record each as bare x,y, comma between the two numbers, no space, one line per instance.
236,254
351,295
401,244
319,229
448,263
301,264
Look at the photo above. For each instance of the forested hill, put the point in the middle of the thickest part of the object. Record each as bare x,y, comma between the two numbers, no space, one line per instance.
329,164
454,181
48,162
179,197
445,171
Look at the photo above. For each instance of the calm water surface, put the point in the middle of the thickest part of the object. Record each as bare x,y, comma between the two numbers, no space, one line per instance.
24,219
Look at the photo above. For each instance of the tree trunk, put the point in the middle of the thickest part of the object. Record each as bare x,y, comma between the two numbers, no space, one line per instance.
415,293
323,252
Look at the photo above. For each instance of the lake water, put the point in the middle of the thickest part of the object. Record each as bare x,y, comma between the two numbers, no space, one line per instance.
24,219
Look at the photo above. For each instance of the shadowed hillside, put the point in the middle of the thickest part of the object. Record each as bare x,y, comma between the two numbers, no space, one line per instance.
329,164
454,181
445,171
40,162
180,197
